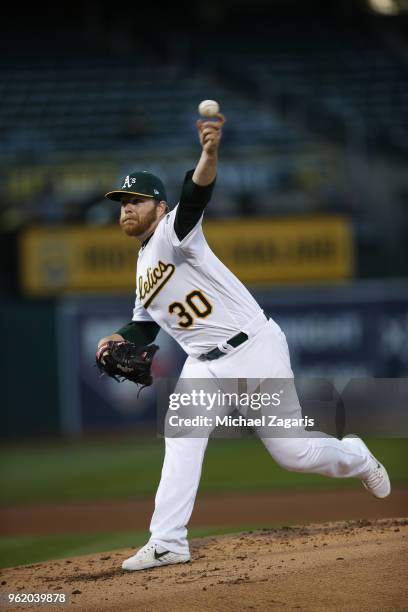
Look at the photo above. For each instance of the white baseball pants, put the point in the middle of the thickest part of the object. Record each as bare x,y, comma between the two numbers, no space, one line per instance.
265,355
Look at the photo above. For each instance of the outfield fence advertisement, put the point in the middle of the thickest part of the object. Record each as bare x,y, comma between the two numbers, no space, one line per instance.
59,260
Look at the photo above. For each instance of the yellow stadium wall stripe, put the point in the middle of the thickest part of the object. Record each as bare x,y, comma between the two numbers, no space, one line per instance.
260,251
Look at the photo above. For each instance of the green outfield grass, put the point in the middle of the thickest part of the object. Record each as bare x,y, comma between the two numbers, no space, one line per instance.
129,467
23,550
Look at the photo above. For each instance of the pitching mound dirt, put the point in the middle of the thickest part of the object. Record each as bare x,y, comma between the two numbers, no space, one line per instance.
353,566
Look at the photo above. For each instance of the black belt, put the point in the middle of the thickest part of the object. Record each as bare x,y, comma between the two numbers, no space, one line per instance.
215,353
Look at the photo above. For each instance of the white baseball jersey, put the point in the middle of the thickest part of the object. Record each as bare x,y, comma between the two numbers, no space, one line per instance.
187,290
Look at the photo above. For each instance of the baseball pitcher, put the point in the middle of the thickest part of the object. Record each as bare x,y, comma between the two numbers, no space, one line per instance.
184,289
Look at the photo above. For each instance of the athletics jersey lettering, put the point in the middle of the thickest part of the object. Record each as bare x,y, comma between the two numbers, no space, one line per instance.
155,280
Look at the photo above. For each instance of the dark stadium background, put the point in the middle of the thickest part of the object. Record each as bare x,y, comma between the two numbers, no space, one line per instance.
316,97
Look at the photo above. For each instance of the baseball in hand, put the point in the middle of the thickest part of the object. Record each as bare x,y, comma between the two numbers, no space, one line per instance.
208,108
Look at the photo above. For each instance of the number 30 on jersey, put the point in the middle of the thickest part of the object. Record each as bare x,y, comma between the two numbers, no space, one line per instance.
195,305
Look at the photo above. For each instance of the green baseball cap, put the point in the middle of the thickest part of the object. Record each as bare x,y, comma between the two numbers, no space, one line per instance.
139,183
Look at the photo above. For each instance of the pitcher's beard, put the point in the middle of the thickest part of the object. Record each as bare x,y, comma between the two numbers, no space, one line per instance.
137,227
131,228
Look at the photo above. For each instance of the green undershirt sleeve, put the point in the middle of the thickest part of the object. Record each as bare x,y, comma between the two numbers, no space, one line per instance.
139,332
193,200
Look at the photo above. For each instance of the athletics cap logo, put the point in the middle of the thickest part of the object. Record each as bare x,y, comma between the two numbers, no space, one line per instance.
139,183
128,182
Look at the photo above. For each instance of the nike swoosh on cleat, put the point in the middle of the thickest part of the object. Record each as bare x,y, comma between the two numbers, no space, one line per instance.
157,555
